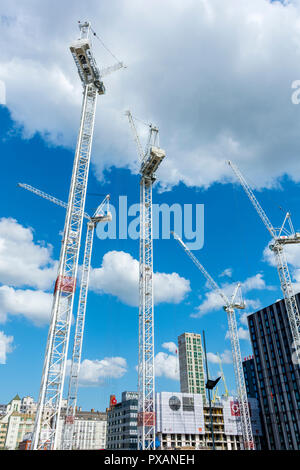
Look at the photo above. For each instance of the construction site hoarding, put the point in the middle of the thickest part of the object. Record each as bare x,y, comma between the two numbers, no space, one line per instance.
179,413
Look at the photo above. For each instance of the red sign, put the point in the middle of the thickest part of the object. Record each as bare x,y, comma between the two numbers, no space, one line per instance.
112,401
235,408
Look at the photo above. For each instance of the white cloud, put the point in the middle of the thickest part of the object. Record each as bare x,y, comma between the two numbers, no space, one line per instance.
31,304
95,372
226,357
243,333
5,346
171,347
23,262
119,275
220,75
226,273
166,365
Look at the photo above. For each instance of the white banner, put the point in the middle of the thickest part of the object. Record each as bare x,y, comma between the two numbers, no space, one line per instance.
179,413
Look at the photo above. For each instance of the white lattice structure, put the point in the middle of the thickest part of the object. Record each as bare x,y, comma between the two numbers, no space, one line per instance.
100,215
150,161
54,369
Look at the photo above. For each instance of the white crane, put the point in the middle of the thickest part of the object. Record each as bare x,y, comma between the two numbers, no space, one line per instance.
100,215
229,306
151,158
280,237
54,369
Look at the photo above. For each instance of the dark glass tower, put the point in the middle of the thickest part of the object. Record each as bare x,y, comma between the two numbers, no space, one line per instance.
278,378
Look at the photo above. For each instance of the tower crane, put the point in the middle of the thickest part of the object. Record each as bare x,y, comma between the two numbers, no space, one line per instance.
45,434
280,237
150,159
229,306
99,216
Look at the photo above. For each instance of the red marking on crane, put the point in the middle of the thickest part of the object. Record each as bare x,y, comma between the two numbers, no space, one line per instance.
146,418
65,284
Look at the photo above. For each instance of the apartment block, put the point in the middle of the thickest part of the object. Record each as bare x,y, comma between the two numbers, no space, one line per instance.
191,364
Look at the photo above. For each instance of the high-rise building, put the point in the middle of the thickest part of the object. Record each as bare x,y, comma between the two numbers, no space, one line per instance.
278,377
191,364
122,422
250,377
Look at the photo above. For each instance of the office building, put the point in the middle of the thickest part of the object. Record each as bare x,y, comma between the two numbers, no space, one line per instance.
191,366
122,422
250,377
278,378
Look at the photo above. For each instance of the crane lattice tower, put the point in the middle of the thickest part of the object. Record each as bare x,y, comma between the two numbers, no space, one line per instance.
54,369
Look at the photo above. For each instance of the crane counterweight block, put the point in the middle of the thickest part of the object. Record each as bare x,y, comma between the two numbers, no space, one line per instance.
65,284
146,418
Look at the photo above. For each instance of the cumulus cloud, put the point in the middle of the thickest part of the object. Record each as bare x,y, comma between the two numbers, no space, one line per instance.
22,261
171,347
5,346
94,372
243,333
226,357
226,273
119,276
233,102
34,305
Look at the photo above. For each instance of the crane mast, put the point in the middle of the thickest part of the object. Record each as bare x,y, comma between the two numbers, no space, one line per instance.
68,430
150,161
99,216
54,369
280,237
229,306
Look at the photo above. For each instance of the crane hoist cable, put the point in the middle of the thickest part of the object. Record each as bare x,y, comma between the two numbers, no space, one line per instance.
104,45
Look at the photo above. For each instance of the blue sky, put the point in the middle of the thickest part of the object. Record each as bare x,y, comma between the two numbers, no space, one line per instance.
247,116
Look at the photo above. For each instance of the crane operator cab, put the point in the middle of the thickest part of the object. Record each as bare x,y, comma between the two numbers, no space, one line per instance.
86,64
